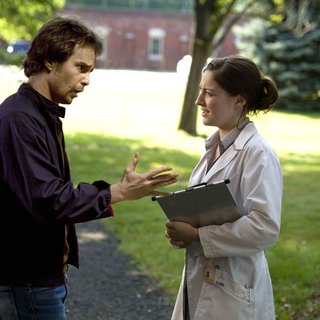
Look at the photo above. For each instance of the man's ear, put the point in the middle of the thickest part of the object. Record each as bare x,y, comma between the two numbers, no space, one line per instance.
240,102
48,65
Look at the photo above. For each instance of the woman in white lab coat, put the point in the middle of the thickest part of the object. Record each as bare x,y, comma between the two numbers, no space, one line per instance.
226,275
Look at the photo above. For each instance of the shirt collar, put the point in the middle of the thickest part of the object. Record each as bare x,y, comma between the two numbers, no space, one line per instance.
231,136
44,104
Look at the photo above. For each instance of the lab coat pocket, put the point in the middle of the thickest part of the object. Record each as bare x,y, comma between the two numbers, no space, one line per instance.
218,277
219,289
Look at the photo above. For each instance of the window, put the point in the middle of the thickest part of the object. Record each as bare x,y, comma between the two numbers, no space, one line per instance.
156,44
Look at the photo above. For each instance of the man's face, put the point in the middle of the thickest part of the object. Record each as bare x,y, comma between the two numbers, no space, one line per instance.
66,80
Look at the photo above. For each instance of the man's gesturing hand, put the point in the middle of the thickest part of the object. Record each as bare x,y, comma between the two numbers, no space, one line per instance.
134,185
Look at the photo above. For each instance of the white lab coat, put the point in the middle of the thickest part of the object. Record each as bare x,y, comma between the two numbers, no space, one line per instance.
232,255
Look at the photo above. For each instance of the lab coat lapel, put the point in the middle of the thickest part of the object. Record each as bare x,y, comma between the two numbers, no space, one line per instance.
247,132
222,162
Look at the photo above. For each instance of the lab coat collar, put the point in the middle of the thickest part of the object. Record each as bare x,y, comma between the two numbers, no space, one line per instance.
245,135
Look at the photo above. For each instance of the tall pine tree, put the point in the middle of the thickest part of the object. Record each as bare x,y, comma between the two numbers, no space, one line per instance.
289,51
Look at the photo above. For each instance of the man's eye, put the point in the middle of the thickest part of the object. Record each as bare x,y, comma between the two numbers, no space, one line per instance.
83,69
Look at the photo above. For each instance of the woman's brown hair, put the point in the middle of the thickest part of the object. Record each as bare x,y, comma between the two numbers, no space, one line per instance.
240,75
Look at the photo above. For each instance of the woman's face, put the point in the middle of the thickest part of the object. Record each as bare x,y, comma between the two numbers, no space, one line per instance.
218,107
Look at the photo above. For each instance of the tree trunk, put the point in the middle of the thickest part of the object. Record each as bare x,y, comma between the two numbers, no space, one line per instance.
188,118
210,16
202,48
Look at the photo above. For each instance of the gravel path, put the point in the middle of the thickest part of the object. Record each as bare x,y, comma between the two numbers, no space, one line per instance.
108,286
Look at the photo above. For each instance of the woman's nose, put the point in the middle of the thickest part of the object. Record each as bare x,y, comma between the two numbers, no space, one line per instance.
199,101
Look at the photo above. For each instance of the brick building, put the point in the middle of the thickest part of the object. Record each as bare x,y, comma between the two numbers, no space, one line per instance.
142,38
139,39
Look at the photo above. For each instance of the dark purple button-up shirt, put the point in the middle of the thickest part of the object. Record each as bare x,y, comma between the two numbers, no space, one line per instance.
37,197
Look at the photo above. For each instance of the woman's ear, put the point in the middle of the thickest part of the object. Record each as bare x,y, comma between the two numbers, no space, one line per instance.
240,102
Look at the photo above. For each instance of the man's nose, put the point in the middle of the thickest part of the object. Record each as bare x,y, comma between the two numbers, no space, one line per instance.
86,79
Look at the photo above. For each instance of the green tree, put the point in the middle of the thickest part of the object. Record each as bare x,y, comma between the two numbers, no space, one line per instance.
20,19
213,21
289,50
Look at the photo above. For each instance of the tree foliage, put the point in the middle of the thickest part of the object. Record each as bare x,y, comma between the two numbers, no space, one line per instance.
289,51
213,20
20,19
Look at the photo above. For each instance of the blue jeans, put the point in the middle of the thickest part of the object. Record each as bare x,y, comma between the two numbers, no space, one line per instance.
24,303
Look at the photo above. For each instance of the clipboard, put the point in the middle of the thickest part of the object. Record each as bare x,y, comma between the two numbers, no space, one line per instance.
201,205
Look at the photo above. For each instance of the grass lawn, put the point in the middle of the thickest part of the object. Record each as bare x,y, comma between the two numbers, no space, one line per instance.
126,111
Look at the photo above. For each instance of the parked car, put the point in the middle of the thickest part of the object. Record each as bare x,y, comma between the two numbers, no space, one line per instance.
19,46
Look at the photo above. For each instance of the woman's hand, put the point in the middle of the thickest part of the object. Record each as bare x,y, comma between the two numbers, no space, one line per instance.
181,234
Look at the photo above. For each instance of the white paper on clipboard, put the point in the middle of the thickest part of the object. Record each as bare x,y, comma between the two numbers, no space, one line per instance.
201,205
